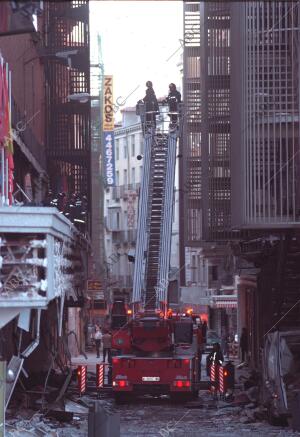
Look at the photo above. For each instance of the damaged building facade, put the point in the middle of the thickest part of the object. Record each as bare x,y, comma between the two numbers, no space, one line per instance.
45,211
265,194
205,184
240,154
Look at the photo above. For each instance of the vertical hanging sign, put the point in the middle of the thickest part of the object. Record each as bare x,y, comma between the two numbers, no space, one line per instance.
108,131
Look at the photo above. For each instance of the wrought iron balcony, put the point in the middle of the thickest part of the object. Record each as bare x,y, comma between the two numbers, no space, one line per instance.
122,191
125,236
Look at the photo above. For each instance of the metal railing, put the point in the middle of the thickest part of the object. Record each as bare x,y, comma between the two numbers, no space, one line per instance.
167,215
142,236
125,236
121,191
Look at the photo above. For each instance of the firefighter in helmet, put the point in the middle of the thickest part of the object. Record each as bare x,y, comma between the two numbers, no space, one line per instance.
151,107
173,100
215,357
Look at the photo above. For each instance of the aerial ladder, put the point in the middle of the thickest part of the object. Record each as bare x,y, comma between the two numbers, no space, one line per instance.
150,354
154,227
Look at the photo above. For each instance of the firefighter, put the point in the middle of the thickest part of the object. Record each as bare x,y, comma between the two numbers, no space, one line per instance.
151,107
106,340
173,99
215,357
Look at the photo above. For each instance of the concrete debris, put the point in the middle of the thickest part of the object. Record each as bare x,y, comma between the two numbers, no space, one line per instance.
61,416
221,412
245,419
194,404
250,406
234,410
241,399
253,393
260,413
249,414
75,407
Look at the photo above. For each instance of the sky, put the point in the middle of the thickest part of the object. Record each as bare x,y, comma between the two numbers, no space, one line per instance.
140,42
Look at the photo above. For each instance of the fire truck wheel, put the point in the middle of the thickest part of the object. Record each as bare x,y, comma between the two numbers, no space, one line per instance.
122,398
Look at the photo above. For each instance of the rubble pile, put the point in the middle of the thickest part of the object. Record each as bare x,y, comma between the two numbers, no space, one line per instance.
41,425
33,414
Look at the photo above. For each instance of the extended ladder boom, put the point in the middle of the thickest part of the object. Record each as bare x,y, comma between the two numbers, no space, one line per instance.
154,228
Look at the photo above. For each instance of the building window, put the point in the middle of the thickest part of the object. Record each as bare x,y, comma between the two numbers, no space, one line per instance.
141,144
117,177
194,269
141,173
125,149
132,145
125,177
114,219
213,273
117,150
200,279
133,175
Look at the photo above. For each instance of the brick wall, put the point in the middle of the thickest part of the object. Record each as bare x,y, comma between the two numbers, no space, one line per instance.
20,51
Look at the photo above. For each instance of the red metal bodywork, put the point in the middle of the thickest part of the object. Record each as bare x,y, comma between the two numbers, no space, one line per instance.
148,361
161,375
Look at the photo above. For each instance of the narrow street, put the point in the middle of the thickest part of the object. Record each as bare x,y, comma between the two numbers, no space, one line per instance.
154,416
160,418
149,218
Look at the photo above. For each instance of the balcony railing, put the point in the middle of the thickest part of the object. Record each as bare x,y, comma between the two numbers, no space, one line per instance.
121,191
127,236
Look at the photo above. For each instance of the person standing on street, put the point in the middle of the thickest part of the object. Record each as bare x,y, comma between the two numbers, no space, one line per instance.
106,340
224,344
204,330
98,338
244,344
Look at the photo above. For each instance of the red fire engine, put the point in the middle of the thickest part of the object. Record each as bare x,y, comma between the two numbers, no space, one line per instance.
156,353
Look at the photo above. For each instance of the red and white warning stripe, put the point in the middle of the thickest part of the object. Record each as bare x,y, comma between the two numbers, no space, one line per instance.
221,379
100,375
82,375
213,369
